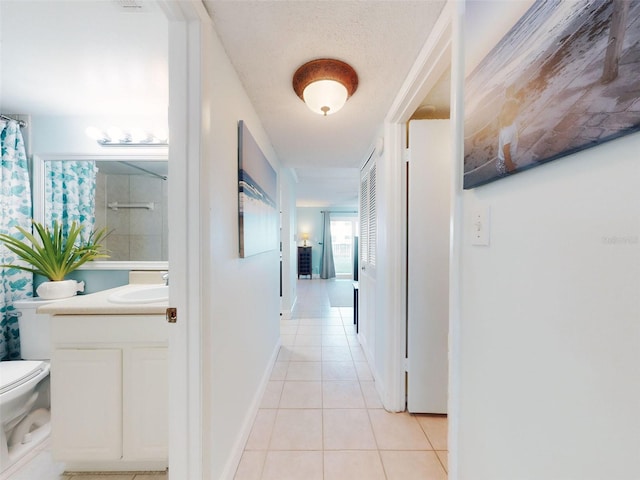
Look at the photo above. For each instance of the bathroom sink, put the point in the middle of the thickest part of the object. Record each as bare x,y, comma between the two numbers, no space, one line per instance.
141,294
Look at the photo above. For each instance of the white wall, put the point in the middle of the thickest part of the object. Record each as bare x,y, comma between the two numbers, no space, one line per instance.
60,134
550,331
288,239
240,301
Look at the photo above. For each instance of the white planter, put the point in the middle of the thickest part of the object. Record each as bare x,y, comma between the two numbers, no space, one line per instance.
59,289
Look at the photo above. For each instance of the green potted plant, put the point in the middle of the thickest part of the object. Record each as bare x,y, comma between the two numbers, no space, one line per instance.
55,255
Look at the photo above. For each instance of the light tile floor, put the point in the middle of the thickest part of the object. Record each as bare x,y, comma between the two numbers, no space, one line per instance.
321,417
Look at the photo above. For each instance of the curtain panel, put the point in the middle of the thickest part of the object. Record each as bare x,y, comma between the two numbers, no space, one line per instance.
70,195
15,205
327,266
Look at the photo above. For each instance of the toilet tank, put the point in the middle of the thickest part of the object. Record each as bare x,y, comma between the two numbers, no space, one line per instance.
35,330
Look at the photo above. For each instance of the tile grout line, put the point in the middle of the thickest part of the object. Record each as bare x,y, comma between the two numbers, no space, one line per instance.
322,406
373,432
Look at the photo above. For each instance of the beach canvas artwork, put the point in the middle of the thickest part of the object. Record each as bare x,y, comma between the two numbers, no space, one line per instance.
257,190
564,78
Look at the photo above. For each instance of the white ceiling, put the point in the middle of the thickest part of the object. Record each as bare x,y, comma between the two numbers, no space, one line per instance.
89,57
63,57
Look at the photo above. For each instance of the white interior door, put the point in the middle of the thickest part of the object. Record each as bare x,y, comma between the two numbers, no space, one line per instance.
429,173
185,423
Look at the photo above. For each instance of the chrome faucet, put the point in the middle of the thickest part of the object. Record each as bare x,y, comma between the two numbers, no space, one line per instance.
165,277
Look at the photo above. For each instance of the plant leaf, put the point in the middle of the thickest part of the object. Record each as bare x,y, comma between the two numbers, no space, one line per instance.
53,255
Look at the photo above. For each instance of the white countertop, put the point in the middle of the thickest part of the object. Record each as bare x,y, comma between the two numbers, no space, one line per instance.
97,304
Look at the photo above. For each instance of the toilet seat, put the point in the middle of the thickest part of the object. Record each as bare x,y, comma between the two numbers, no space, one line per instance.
24,408
20,373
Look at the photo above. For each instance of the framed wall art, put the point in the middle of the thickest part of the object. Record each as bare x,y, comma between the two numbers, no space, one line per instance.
257,193
564,78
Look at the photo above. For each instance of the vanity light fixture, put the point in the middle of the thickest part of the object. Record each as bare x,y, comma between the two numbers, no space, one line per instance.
325,84
116,137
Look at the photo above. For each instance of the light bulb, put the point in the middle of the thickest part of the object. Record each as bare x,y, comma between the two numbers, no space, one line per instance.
138,135
116,134
325,97
96,134
161,135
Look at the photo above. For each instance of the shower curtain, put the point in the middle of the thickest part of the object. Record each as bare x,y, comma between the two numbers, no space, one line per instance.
15,205
70,194
327,266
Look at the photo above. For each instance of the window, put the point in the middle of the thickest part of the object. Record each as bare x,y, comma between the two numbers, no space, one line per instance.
343,231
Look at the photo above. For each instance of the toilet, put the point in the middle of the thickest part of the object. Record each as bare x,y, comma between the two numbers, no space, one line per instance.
24,386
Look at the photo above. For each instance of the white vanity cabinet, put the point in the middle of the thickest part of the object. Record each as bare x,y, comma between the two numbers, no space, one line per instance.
146,421
86,397
109,392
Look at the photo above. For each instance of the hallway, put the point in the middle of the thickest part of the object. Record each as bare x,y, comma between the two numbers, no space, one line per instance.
321,418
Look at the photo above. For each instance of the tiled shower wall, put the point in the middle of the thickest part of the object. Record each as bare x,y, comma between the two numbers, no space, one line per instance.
134,233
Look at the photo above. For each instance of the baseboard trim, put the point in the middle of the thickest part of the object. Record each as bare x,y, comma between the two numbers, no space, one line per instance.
378,383
236,453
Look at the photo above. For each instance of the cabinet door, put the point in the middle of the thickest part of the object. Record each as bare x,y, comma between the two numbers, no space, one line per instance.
86,404
146,408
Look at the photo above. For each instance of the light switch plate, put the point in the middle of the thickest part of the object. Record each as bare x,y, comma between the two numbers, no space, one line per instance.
480,226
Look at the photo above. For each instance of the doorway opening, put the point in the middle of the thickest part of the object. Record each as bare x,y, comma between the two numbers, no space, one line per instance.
344,230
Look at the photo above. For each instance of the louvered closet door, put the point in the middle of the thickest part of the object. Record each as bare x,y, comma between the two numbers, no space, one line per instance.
368,236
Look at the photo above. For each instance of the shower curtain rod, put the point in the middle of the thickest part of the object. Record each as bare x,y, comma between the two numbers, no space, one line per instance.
338,211
21,123
149,172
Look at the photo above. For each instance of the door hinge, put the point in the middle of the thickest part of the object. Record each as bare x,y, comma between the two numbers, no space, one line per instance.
406,155
405,364
172,315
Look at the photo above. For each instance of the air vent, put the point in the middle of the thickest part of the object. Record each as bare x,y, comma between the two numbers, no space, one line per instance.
130,5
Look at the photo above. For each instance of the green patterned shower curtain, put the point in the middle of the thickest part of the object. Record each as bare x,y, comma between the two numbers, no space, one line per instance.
15,208
70,194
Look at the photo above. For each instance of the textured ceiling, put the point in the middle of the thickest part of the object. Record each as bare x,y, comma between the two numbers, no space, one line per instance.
268,40
92,57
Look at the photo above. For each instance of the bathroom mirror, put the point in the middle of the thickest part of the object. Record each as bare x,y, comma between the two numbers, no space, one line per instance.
125,193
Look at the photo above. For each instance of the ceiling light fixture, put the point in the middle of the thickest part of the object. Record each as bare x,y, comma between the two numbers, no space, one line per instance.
325,84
